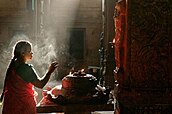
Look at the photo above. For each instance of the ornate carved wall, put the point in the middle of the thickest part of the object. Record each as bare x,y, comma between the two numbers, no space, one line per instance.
150,43
143,47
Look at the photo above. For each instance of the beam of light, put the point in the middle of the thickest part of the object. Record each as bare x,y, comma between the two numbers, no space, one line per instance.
57,16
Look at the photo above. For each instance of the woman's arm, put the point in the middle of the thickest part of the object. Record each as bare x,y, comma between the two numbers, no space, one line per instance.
40,83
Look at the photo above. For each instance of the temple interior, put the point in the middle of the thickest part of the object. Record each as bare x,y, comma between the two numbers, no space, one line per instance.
125,44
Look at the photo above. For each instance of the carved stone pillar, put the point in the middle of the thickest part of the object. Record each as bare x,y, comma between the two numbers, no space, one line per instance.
143,47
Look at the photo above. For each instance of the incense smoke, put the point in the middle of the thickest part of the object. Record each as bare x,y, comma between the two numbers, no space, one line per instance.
53,45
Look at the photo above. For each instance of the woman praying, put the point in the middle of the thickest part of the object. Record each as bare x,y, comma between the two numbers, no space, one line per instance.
18,93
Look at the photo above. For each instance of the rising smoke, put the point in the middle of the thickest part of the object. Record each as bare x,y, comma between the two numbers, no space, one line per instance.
53,45
58,17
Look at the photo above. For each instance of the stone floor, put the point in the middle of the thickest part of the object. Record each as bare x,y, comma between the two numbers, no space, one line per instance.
102,112
97,112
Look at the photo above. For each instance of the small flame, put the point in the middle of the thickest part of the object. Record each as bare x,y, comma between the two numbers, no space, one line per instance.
82,70
70,73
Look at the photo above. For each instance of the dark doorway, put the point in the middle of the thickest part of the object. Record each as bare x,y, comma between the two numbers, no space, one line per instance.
76,43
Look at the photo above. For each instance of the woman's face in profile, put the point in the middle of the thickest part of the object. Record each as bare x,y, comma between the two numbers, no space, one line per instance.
27,55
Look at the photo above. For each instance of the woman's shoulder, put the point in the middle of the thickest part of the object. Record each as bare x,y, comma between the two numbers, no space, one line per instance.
24,66
30,65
